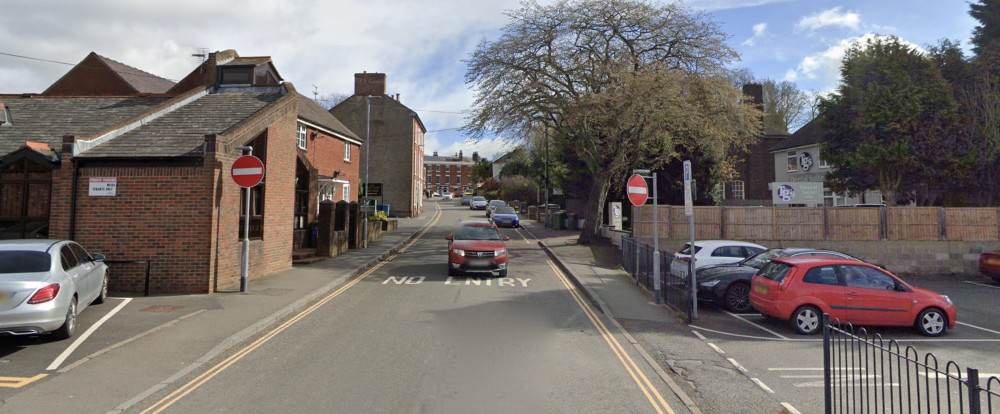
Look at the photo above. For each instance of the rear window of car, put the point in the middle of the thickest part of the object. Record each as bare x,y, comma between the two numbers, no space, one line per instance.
687,249
774,271
477,198
24,262
823,275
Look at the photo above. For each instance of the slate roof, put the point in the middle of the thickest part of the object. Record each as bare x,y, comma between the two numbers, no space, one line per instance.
47,119
181,133
315,114
143,82
449,158
810,134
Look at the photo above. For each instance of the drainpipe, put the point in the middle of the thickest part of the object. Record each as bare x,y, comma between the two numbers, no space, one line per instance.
72,205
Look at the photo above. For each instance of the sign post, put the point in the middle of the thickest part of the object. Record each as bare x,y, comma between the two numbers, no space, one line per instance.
247,172
689,212
638,193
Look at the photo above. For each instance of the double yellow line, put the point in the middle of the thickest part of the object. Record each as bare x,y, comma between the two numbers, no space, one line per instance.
647,388
183,391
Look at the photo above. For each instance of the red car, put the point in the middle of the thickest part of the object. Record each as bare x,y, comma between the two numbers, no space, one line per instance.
989,264
802,289
477,246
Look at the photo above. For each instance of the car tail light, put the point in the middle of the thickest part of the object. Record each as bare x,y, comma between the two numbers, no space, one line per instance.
784,281
45,294
685,259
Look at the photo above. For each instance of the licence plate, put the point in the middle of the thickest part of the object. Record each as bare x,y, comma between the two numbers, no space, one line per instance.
993,261
478,263
760,289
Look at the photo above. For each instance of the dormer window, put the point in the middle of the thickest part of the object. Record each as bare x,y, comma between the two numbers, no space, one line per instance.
235,75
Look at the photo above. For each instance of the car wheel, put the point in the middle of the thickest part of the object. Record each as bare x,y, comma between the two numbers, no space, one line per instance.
738,298
931,322
503,273
451,270
806,320
104,290
66,330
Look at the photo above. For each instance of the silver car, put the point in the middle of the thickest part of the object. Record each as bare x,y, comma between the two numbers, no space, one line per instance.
45,284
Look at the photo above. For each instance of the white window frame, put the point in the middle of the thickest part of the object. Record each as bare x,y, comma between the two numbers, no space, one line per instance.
458,180
823,163
793,161
738,190
302,136
347,151
347,192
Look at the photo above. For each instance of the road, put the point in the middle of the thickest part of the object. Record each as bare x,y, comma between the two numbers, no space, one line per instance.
405,337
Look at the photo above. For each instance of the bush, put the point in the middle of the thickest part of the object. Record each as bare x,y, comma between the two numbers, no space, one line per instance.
378,216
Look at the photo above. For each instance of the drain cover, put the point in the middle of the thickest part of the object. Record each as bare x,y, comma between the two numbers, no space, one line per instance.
162,308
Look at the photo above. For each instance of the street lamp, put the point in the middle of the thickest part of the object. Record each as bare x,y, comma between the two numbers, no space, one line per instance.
368,134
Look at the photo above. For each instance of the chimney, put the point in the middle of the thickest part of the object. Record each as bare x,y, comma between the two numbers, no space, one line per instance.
460,155
369,84
756,92
435,153
475,156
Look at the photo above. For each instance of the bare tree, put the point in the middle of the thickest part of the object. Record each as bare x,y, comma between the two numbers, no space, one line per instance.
331,100
624,82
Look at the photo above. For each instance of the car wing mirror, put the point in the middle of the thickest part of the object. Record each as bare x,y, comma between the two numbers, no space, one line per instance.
98,257
505,238
448,237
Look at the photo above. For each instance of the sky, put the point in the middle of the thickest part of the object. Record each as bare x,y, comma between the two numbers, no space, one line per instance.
318,45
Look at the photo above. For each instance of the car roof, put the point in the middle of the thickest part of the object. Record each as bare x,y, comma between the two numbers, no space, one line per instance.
481,223
817,260
39,245
715,243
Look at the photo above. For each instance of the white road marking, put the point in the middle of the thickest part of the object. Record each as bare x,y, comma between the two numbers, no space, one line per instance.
790,409
977,327
717,349
737,365
934,340
65,354
526,241
757,326
699,335
980,284
762,385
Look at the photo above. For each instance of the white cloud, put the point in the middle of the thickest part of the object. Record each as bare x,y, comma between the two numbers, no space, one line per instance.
713,5
822,70
759,30
829,18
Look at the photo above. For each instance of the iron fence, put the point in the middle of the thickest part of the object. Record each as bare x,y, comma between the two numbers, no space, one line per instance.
637,260
866,374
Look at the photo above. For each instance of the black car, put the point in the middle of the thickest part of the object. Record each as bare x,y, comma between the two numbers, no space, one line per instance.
729,285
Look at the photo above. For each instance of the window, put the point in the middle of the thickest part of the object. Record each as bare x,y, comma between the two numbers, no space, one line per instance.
447,168
235,76
830,199
458,180
823,275
727,251
793,161
347,192
737,187
302,136
823,163
439,179
867,278
437,167
347,151
774,271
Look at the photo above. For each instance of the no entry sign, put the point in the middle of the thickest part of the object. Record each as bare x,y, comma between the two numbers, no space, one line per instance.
247,171
637,190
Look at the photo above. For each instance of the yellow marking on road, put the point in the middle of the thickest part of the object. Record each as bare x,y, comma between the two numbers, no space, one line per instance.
200,380
647,388
18,382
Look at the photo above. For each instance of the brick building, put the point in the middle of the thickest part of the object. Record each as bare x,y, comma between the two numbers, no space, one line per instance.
166,159
396,146
449,173
756,165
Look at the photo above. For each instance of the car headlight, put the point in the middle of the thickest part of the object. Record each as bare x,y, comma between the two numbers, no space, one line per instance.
710,283
459,252
947,299
498,253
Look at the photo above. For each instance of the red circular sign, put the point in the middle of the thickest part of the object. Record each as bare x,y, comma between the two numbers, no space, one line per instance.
637,190
247,171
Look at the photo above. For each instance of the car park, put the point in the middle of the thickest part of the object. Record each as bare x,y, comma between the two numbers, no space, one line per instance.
728,285
505,216
493,204
989,264
446,196
712,252
45,284
466,200
477,246
801,289
478,203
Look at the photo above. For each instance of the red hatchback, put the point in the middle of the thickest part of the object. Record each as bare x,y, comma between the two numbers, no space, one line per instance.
477,246
801,289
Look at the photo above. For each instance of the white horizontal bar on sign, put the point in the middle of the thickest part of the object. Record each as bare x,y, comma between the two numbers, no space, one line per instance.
248,171
638,190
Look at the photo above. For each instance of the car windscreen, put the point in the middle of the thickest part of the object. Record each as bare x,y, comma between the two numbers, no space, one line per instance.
478,198
774,271
477,233
24,262
758,260
505,210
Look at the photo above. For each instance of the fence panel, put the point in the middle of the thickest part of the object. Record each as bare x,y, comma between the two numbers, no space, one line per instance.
971,224
913,223
749,223
637,259
853,223
804,223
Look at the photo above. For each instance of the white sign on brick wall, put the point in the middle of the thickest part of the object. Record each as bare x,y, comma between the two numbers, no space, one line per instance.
103,186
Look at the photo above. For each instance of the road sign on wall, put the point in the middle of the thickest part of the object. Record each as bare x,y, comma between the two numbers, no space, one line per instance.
373,190
637,190
247,171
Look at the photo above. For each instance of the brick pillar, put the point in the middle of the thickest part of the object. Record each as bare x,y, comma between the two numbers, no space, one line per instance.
342,220
325,246
354,226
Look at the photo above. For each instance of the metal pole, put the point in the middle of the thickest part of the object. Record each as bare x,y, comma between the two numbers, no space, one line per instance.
657,293
694,280
547,217
368,134
827,364
635,238
245,260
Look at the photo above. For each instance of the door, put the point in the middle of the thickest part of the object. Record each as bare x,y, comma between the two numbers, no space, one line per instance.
823,284
874,298
89,284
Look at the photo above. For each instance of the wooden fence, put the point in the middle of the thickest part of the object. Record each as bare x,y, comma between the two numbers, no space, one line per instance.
822,223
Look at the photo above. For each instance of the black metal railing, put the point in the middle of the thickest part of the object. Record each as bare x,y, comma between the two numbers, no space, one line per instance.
866,374
637,260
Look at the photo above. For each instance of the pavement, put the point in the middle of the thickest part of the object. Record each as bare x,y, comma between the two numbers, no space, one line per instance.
192,330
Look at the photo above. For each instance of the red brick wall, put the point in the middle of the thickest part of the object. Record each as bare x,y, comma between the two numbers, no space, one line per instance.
326,153
90,78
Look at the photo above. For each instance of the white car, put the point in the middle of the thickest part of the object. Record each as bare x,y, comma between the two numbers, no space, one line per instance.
446,196
712,252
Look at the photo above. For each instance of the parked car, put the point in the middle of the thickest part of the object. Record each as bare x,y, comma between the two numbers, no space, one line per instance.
45,284
712,252
466,200
493,204
505,216
446,196
801,289
989,264
728,285
436,194
477,246
478,203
